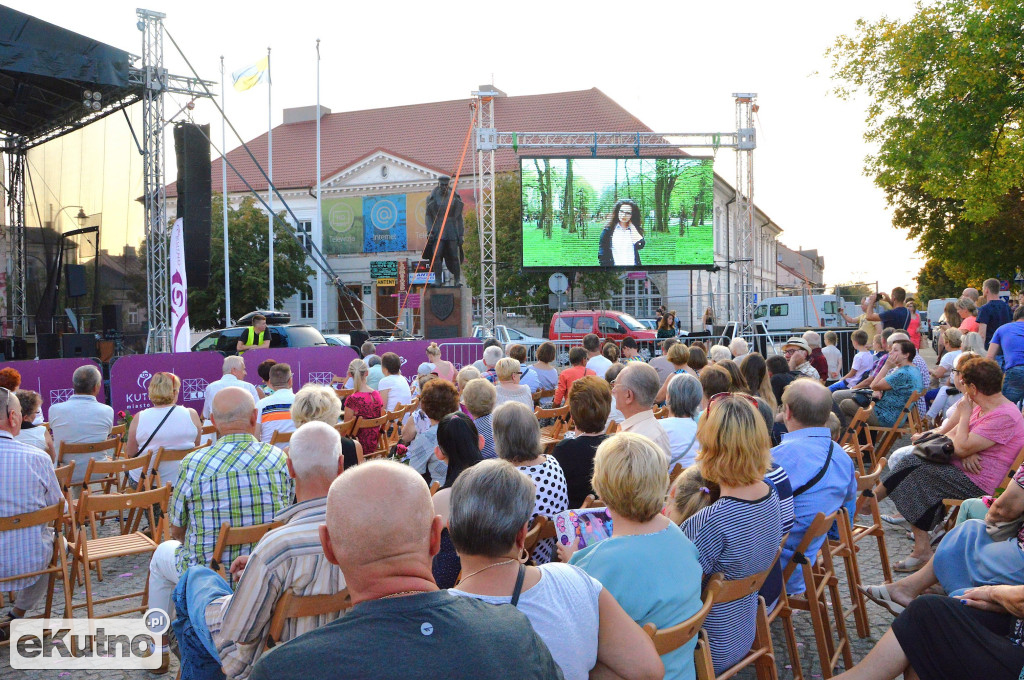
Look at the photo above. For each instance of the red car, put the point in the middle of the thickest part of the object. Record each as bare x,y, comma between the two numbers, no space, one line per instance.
573,325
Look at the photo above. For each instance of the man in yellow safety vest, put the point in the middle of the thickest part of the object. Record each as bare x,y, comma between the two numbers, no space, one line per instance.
256,337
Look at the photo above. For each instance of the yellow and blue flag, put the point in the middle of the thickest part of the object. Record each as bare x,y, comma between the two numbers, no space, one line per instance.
250,76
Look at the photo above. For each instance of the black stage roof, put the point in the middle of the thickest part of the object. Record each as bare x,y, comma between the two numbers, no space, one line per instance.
45,71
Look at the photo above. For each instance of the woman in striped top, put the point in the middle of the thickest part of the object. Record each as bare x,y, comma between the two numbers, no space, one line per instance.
739,534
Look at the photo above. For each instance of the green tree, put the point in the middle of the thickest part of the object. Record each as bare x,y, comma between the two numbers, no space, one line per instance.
933,282
853,292
249,261
517,287
945,94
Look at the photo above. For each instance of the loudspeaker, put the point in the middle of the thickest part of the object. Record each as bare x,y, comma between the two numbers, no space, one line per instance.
192,149
48,346
78,345
111,318
74,277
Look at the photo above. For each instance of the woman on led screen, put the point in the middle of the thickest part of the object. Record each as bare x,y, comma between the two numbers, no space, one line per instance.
623,237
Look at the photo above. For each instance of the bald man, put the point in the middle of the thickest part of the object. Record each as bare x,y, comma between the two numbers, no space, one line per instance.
234,376
820,472
971,293
238,480
382,532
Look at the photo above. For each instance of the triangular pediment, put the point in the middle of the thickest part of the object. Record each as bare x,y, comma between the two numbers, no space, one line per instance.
381,168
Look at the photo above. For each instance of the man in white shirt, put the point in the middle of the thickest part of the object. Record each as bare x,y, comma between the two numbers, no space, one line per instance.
82,419
234,376
275,411
396,386
596,362
634,391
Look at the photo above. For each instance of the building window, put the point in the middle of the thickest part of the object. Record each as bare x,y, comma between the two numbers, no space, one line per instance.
304,230
639,298
306,303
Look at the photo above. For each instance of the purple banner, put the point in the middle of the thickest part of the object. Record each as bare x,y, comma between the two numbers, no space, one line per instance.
130,376
460,351
308,364
51,378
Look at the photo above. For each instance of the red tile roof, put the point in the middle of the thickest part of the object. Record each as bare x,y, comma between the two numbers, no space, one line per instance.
429,134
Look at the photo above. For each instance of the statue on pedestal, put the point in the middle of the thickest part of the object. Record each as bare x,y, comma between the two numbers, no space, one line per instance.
444,235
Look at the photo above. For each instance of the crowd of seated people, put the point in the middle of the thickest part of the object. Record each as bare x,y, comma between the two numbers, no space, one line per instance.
739,506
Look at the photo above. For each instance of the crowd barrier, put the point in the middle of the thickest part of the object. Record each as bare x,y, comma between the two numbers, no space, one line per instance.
460,351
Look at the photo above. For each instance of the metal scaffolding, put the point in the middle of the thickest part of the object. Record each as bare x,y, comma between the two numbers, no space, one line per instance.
16,250
489,140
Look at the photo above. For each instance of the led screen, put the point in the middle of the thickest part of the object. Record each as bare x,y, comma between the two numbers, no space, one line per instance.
573,210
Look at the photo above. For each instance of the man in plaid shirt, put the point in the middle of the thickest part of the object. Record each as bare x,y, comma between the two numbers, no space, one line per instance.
238,480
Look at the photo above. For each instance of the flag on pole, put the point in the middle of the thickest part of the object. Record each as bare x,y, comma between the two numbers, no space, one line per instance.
250,76
181,339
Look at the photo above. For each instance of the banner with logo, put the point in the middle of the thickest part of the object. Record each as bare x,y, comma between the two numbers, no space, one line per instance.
130,376
384,224
51,378
180,333
342,226
309,364
416,220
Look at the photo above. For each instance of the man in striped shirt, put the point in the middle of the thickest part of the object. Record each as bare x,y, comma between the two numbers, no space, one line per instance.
238,480
275,410
217,628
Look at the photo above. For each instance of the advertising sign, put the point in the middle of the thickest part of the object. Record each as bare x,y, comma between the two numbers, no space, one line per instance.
384,224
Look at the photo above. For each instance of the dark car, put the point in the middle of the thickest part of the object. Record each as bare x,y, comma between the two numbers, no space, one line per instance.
290,335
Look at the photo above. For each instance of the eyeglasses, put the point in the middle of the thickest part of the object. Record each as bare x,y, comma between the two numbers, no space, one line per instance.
724,395
789,352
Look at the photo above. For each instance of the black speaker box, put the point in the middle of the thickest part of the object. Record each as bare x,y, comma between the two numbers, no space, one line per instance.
74,275
48,346
78,345
111,318
192,149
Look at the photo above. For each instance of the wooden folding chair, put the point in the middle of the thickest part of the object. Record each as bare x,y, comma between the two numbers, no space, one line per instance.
207,435
540,395
279,439
64,474
660,413
343,393
435,486
782,610
345,428
612,428
534,534
819,577
97,450
51,515
231,536
592,501
561,416
856,438
672,638
887,436
88,551
952,505
368,424
166,456
120,432
112,477
762,651
292,606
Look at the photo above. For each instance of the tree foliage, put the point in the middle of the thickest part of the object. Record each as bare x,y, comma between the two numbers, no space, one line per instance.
945,93
934,282
516,287
853,292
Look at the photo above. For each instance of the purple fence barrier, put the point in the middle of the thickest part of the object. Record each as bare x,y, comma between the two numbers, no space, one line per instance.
459,351
130,376
309,364
51,378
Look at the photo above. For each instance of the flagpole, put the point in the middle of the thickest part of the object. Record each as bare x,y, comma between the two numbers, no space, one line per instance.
270,173
224,184
318,236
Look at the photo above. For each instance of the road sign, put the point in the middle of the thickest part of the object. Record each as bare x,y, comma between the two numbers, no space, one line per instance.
558,283
558,301
636,276
1004,285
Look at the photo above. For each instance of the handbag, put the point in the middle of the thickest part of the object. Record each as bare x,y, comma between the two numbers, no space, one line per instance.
934,448
862,397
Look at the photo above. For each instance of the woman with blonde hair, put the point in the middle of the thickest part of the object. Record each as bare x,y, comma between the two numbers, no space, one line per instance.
972,342
365,402
445,369
509,373
679,356
739,534
631,476
321,403
164,424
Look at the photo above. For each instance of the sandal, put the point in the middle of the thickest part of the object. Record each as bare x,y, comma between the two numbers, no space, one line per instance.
909,565
880,596
896,520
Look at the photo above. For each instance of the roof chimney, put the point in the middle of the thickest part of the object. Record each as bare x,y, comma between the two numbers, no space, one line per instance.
304,114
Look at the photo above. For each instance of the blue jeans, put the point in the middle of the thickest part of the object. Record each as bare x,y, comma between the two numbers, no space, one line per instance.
838,385
197,588
1013,384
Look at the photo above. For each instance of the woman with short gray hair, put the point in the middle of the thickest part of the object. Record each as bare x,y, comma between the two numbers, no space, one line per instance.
509,373
489,518
684,396
517,440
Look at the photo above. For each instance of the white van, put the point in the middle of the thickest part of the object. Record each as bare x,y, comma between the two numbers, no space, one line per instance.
935,308
799,311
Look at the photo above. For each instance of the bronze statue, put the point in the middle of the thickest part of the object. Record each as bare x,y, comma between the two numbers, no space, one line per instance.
444,236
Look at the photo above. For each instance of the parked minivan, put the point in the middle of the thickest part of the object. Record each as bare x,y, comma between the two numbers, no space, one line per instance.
608,325
788,312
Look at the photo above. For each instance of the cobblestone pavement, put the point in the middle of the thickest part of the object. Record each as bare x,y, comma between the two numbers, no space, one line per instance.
128,575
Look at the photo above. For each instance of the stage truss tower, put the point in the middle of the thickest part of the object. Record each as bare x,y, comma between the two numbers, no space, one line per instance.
488,140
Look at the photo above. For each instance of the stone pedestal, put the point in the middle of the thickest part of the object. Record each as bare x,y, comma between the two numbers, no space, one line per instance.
447,312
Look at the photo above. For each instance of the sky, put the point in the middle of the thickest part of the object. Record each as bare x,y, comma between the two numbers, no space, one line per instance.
674,65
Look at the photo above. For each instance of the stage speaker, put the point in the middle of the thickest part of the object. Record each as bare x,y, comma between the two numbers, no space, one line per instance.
111,318
48,346
78,345
192,149
74,279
